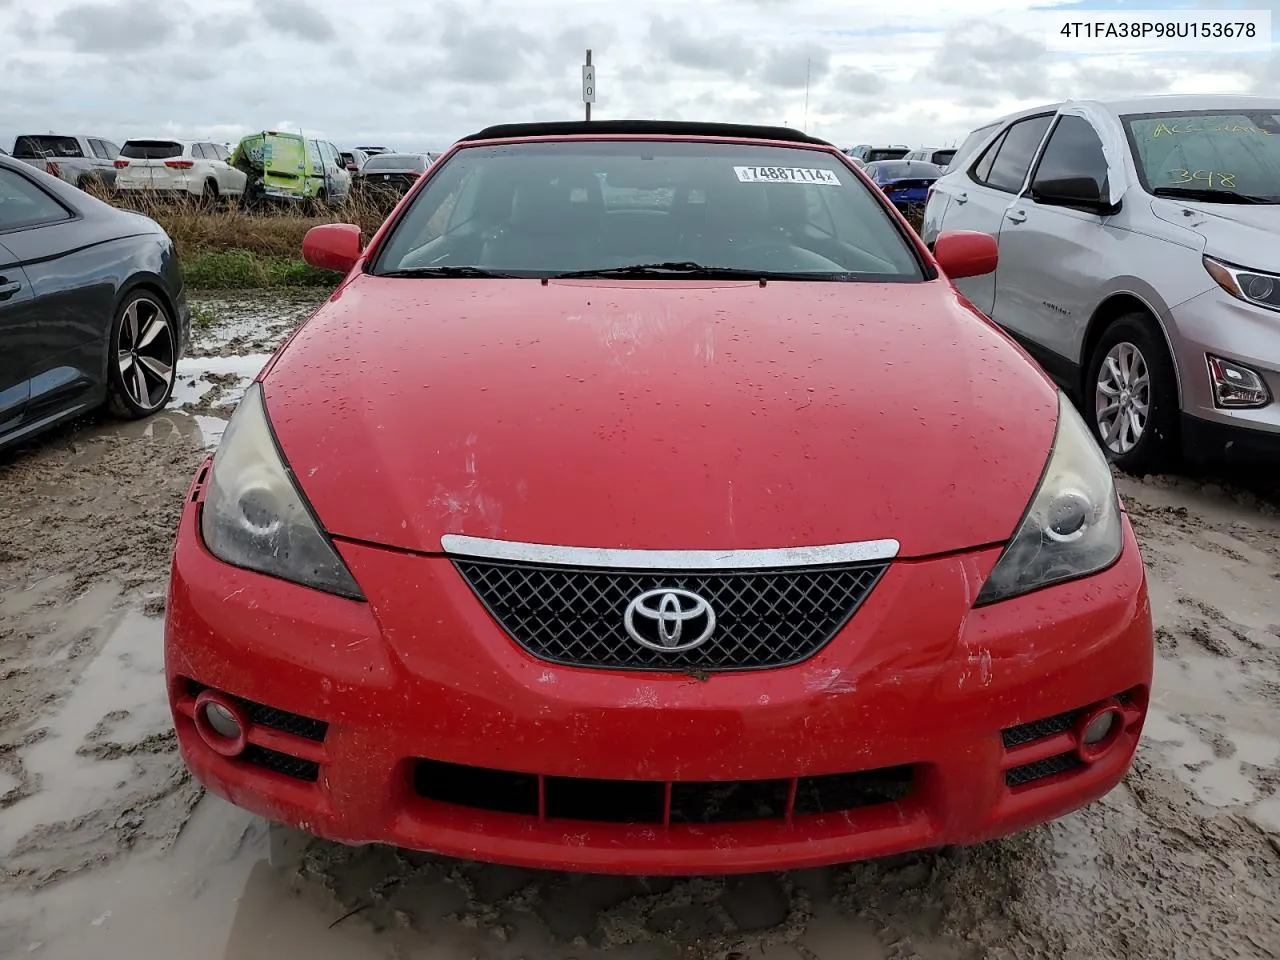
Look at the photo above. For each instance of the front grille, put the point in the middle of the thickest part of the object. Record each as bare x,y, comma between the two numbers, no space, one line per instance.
1028,772
281,763
764,618
1039,729
646,801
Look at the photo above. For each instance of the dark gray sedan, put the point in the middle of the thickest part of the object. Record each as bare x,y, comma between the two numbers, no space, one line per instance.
92,307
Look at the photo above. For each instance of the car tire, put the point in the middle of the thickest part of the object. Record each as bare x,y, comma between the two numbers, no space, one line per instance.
142,359
209,194
1130,396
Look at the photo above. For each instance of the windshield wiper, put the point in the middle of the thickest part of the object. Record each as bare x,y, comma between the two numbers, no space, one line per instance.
690,269
464,272
1209,195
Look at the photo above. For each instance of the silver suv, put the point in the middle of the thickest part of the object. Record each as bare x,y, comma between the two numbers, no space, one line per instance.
1139,264
79,160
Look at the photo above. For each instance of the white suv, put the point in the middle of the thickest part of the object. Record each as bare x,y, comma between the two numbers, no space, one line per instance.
178,168
1139,264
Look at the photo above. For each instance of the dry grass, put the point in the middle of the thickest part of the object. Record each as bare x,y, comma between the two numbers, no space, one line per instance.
229,246
276,232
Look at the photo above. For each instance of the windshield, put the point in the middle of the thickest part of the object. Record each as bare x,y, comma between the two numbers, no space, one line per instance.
542,209
1234,152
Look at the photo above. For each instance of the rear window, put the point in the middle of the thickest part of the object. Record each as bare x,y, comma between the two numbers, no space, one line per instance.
540,209
942,157
877,154
899,169
151,149
391,161
46,146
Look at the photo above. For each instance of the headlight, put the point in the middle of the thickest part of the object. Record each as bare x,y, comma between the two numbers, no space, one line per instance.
254,516
1072,527
1251,286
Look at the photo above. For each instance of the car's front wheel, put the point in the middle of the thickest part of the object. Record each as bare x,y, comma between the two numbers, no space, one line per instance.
144,356
1131,396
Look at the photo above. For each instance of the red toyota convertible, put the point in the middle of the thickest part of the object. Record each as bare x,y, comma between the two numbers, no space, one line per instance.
647,500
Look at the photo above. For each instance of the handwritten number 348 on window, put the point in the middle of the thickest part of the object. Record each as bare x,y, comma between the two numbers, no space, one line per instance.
1210,177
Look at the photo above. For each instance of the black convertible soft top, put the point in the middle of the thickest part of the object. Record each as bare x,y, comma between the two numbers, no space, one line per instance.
656,128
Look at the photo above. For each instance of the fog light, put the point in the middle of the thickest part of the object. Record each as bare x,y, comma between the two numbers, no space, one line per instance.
221,725
222,720
1100,727
1235,385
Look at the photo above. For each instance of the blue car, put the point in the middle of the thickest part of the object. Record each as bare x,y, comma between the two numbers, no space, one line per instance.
905,182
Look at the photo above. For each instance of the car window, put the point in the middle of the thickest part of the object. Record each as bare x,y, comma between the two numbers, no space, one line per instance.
982,169
112,149
313,156
30,147
101,150
210,151
23,204
1017,149
940,157
394,161
198,151
1236,151
887,153
819,212
151,149
223,153
971,144
548,208
1073,150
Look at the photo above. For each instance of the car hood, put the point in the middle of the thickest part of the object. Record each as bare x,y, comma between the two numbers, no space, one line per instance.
660,415
1240,234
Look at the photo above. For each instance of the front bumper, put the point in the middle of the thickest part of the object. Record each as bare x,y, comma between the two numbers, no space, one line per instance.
1215,323
344,705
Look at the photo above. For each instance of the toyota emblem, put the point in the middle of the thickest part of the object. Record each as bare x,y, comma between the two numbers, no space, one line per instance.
658,619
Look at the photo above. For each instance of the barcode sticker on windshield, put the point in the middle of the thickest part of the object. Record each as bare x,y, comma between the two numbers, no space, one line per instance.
826,178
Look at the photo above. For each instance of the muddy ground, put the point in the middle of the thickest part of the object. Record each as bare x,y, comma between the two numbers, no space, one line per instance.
109,851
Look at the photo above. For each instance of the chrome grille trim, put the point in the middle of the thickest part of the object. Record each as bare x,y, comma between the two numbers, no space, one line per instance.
606,558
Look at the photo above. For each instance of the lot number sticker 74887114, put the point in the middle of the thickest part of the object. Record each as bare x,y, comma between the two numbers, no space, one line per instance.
787,175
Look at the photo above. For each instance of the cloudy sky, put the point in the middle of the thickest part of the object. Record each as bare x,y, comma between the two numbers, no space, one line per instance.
417,75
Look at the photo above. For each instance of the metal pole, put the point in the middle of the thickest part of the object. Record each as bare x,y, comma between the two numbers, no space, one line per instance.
588,104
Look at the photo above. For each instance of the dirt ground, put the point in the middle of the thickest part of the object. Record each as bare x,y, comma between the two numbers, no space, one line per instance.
109,851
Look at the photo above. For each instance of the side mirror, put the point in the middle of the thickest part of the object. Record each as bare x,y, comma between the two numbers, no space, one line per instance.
332,246
1081,192
965,253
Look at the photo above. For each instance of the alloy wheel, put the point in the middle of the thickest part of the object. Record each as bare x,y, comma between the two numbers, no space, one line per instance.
146,353
1122,398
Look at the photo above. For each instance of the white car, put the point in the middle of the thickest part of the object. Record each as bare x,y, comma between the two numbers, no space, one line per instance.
193,168
1139,264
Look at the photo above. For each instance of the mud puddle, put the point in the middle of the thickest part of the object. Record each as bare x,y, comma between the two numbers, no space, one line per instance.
109,851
